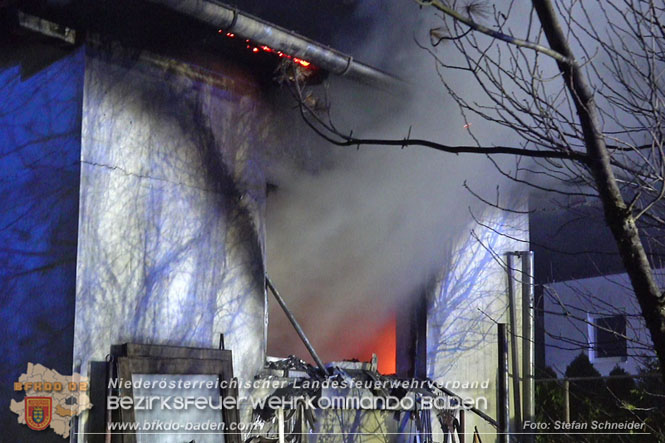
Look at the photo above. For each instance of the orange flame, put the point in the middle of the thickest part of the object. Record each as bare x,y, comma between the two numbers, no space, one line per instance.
385,348
266,48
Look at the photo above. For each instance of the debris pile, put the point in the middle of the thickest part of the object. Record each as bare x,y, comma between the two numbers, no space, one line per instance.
352,398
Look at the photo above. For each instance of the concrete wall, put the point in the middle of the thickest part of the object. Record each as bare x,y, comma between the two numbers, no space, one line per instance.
470,298
41,90
568,335
171,234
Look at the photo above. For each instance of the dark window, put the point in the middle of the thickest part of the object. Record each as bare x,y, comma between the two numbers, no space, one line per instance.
609,333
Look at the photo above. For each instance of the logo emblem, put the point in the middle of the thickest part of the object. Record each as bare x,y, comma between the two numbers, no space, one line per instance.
38,412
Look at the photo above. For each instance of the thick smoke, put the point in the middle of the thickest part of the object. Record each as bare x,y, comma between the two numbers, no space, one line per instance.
354,238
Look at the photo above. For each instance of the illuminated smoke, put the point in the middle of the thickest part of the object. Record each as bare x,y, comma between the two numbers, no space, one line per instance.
353,235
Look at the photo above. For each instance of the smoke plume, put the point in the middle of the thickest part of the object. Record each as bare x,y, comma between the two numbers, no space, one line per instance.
353,235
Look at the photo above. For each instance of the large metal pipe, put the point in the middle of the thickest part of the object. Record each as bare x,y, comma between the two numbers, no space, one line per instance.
503,395
244,25
513,339
528,341
296,326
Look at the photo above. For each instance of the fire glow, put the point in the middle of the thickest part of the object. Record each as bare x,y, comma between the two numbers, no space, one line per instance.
384,346
265,48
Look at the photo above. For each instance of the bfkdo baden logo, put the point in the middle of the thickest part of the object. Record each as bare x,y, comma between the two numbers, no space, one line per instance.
38,412
51,399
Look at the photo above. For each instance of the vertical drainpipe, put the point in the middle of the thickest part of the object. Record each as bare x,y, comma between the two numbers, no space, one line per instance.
503,397
266,322
513,340
528,340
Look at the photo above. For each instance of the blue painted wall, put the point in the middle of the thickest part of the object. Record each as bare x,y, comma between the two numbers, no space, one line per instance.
40,142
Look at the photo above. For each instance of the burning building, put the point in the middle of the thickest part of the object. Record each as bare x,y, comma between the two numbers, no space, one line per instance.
135,139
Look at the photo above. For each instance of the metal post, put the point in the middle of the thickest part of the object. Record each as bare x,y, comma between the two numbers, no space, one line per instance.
280,424
266,324
566,400
296,326
513,341
528,341
301,421
503,398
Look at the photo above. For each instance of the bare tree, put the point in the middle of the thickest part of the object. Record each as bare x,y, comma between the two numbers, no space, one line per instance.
581,86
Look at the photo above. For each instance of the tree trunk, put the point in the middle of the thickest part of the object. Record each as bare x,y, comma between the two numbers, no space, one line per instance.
617,214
